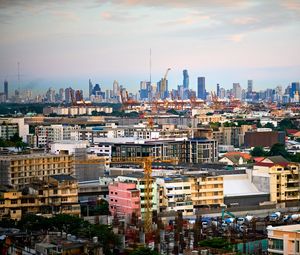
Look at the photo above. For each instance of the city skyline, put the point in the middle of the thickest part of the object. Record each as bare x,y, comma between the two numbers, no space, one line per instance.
61,44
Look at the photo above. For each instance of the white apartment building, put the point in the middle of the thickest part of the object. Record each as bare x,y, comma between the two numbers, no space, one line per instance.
10,126
176,194
48,134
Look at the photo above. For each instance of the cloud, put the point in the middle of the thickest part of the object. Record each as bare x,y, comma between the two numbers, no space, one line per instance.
119,16
236,38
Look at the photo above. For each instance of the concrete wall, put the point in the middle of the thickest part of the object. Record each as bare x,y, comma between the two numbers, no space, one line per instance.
250,200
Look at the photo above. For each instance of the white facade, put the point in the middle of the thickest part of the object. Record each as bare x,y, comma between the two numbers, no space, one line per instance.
177,194
69,146
23,129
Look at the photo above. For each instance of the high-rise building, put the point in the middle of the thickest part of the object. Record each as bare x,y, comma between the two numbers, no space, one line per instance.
61,94
69,94
237,91
218,90
201,88
6,89
294,88
90,88
186,79
50,95
162,87
143,90
116,89
250,86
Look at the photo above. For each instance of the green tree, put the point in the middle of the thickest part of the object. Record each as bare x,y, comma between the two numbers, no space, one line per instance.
269,125
287,124
216,242
229,124
258,152
278,149
144,251
106,237
295,158
215,125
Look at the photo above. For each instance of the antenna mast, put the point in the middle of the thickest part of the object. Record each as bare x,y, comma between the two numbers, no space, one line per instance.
19,77
150,64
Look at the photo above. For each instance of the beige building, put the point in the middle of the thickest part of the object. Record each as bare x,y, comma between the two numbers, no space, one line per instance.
280,179
231,135
21,170
55,194
284,240
207,190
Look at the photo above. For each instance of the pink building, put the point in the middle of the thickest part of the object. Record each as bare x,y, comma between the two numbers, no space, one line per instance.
124,199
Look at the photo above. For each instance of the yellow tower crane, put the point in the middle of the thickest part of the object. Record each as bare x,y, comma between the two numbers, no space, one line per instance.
147,166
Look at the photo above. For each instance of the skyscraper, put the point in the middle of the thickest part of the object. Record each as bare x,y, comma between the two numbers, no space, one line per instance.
186,79
218,90
201,88
294,88
90,88
116,89
250,86
6,89
186,82
237,91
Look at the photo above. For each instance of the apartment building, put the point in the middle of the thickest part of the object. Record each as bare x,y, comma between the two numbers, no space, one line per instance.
281,179
207,190
124,199
11,126
20,170
196,150
231,135
140,182
199,150
54,194
284,240
48,134
175,194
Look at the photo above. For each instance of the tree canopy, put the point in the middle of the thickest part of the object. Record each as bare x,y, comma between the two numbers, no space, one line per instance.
258,152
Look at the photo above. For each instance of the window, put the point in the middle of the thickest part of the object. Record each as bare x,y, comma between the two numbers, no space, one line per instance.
276,244
186,187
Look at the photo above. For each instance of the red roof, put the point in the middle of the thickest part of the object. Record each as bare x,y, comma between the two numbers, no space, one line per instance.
258,159
291,131
283,164
244,155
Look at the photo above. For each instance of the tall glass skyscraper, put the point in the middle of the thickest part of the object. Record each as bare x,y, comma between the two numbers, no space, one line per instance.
186,79
201,88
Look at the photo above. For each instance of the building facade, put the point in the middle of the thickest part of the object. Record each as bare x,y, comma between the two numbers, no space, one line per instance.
54,194
20,170
124,199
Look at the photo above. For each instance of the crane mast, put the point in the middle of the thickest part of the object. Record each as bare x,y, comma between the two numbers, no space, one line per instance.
147,165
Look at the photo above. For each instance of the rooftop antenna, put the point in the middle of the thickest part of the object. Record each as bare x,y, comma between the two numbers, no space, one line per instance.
19,77
150,64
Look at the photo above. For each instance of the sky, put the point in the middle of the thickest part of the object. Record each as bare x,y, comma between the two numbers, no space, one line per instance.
65,43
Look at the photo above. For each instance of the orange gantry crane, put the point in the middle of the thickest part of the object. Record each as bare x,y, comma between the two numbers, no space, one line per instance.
147,166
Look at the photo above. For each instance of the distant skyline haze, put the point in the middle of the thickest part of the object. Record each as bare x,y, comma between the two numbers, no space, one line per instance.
66,43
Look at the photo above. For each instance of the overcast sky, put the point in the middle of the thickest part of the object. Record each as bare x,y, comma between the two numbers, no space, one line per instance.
64,43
